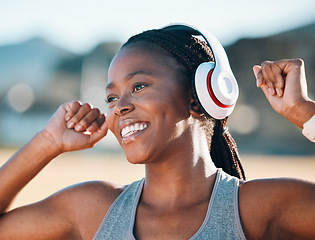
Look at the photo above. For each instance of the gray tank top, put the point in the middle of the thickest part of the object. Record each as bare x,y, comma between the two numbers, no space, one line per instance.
222,220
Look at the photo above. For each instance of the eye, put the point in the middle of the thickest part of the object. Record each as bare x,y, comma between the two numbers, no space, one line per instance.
139,86
111,99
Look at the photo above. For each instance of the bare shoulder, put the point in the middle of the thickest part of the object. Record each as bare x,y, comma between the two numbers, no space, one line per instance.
72,213
86,204
98,191
271,207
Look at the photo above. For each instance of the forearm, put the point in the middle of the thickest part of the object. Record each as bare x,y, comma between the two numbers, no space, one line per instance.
301,113
23,166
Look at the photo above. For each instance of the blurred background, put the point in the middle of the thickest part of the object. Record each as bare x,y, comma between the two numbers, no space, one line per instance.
56,51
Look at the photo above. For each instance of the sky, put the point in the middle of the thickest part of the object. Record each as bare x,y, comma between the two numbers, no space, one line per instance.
79,25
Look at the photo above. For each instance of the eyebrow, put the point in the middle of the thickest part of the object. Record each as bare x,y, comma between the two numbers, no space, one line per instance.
130,76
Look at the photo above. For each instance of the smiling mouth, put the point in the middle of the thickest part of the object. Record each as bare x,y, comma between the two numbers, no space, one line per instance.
133,128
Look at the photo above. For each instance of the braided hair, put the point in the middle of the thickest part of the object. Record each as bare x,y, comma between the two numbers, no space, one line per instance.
190,52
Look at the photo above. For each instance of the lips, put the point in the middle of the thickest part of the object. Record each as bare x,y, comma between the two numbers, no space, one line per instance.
133,128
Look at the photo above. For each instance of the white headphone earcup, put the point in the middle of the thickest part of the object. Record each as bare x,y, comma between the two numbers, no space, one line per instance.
217,91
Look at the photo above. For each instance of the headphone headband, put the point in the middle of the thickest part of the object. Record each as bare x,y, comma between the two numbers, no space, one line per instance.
210,39
215,84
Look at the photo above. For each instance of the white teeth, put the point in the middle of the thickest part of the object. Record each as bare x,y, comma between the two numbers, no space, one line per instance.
125,130
128,130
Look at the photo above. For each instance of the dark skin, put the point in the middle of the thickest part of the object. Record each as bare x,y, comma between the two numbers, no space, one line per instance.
179,171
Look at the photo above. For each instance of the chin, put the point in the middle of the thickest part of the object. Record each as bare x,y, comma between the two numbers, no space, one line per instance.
137,156
136,160
137,152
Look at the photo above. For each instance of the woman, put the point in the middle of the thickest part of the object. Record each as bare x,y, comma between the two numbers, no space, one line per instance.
157,121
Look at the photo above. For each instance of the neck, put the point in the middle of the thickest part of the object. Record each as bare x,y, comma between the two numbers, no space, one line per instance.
187,172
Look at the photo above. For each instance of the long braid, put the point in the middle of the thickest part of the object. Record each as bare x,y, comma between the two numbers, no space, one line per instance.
224,151
191,52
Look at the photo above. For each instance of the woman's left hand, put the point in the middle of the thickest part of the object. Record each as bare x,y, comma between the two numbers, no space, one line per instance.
284,85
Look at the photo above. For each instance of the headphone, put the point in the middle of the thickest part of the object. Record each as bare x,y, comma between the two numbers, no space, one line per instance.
214,82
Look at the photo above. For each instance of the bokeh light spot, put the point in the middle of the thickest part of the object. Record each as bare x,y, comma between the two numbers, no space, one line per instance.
244,120
21,97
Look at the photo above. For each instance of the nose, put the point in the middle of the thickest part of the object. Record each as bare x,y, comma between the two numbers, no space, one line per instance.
124,105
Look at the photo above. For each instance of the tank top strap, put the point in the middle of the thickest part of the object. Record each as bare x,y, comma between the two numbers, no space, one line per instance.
222,219
118,222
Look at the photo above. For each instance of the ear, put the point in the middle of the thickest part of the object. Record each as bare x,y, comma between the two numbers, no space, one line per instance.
194,109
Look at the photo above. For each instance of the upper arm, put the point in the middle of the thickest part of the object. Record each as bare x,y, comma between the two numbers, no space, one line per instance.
42,220
73,213
278,208
296,209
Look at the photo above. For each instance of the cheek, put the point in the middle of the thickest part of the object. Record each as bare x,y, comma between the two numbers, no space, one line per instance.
169,106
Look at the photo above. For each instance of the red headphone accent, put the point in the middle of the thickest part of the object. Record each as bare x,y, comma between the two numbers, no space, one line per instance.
213,97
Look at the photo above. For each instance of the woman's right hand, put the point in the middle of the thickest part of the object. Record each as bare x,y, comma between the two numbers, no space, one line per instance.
75,126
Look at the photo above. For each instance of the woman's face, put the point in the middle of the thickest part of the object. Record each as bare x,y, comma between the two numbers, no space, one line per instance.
148,105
